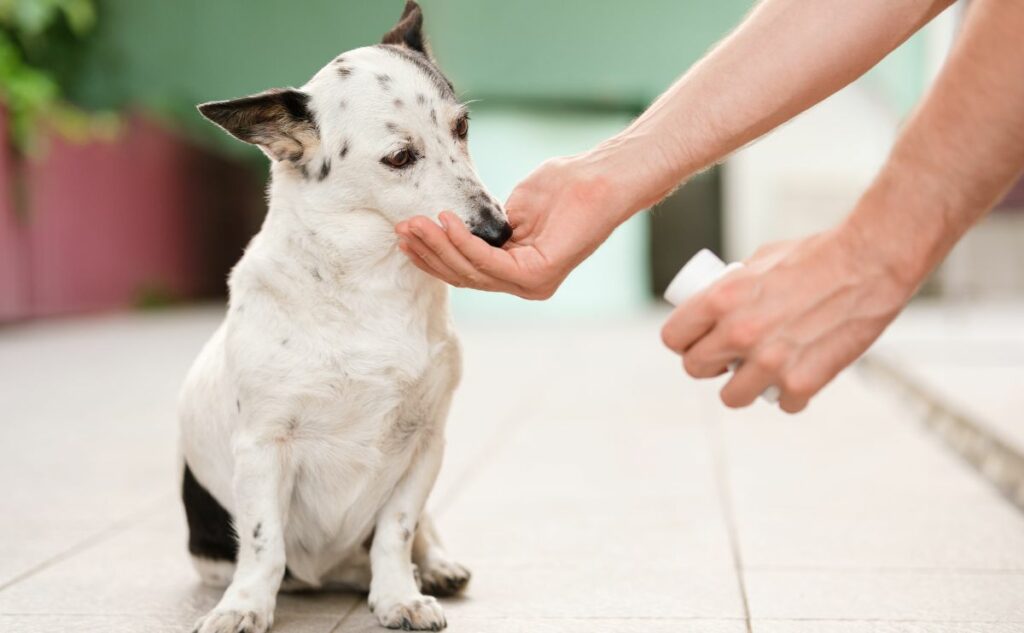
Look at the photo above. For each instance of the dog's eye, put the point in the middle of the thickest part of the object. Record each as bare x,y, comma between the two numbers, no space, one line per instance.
462,127
400,159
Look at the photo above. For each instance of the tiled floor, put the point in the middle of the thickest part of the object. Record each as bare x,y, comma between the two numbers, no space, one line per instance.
597,490
971,355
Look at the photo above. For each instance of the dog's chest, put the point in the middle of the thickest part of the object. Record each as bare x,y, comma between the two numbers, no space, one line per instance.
384,381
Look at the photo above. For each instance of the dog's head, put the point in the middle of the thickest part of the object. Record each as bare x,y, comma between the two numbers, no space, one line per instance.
378,128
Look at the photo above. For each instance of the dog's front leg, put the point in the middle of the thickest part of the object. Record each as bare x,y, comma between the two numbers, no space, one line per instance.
262,484
395,597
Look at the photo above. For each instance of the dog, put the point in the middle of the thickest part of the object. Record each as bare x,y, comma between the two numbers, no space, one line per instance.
312,422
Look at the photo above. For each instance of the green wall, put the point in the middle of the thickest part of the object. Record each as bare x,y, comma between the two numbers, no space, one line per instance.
172,54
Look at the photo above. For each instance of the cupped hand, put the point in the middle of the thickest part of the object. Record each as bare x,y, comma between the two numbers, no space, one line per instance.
795,315
559,214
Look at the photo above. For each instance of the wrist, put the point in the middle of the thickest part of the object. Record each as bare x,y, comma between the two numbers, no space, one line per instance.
901,226
636,169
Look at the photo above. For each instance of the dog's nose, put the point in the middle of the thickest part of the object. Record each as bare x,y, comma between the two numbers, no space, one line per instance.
492,229
494,233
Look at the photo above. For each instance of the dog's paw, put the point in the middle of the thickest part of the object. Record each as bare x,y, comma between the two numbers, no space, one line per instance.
233,621
443,578
415,613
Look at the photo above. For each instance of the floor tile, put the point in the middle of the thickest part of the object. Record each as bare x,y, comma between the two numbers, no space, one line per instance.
890,595
364,622
89,623
876,626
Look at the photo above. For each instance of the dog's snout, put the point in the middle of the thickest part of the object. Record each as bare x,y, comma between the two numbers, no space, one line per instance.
491,228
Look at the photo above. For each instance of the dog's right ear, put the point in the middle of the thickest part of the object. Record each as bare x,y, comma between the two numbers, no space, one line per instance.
278,121
409,30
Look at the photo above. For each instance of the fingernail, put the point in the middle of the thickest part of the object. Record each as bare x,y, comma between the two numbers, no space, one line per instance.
444,222
415,230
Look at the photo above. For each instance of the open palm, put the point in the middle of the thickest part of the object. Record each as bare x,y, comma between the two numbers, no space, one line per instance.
558,217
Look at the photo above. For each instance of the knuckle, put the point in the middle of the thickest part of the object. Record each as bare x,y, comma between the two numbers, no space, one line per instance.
692,365
769,360
744,334
721,298
799,386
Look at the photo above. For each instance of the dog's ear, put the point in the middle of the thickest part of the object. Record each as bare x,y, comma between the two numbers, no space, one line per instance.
279,121
409,30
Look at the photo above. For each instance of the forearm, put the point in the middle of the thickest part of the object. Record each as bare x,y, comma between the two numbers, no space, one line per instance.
786,56
960,151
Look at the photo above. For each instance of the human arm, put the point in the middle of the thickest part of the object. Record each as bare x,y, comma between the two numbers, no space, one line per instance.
786,56
800,312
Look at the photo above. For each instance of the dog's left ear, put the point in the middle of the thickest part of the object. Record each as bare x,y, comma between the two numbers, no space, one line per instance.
279,121
409,30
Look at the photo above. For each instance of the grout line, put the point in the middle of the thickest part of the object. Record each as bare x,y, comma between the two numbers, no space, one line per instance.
355,605
998,463
100,536
716,440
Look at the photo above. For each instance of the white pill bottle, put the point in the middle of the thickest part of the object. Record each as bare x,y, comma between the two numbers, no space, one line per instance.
701,271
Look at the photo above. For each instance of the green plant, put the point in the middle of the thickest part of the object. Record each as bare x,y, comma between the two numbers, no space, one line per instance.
37,37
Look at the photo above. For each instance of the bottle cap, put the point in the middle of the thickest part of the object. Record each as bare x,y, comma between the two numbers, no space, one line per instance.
697,274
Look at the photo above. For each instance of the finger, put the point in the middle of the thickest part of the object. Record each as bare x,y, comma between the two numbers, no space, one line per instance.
426,261
436,240
495,262
791,404
812,371
750,381
693,319
715,349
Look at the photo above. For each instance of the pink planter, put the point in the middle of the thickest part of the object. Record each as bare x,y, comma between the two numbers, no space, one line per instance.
115,224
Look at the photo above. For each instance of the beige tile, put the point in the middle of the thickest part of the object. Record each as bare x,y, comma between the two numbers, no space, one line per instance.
80,623
855,484
874,626
364,622
891,595
144,570
629,589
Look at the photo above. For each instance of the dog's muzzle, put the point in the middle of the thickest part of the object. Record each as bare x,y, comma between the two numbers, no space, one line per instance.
491,229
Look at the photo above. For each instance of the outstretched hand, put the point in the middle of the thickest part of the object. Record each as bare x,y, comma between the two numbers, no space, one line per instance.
796,314
559,215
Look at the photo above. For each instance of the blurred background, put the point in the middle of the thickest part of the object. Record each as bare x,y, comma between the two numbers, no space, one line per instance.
115,194
608,492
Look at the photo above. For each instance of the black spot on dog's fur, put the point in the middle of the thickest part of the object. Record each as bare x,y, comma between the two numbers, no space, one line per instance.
421,98
399,103
345,72
433,115
257,530
284,342
391,127
325,170
384,81
238,404
342,104
210,534
344,150
316,275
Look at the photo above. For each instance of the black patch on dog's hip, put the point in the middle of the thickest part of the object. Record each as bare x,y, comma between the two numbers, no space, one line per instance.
210,533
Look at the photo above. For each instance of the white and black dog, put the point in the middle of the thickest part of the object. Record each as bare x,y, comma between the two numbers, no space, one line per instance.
312,422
